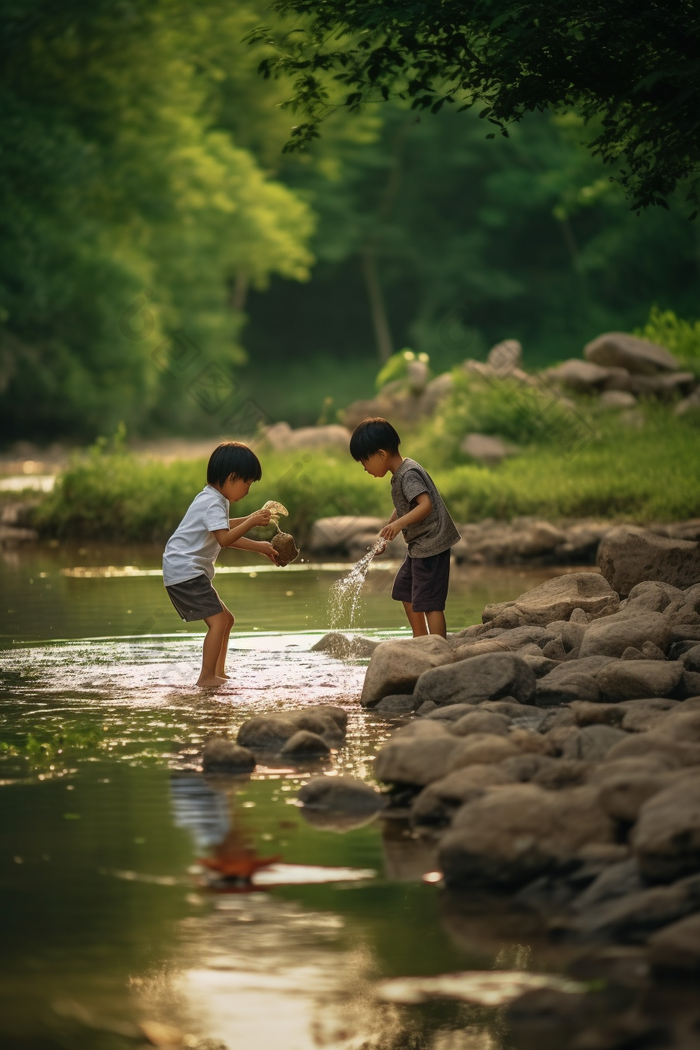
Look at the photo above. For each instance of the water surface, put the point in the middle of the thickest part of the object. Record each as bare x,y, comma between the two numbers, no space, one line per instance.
107,923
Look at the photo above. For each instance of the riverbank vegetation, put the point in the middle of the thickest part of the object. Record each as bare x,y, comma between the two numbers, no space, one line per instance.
638,467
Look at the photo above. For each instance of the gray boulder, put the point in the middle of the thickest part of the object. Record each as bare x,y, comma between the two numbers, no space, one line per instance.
637,679
611,635
514,833
267,732
575,686
592,743
437,803
628,556
653,744
487,677
486,449
640,715
676,948
305,744
653,596
505,356
479,721
396,666
638,356
341,795
223,756
393,706
666,838
340,645
482,749
632,918
336,533
582,376
416,760
554,600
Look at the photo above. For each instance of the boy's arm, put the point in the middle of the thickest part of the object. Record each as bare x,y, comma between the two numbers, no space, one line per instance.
259,546
226,537
424,507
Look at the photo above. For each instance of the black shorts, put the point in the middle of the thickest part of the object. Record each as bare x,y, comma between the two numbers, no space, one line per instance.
423,582
195,599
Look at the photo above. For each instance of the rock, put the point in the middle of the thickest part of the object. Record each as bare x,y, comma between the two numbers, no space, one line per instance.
653,596
487,677
617,881
305,744
627,557
677,947
314,720
562,773
486,449
637,679
622,795
334,534
587,714
506,356
395,705
478,648
267,732
520,636
611,635
341,794
283,438
535,539
450,713
438,801
436,392
592,743
638,356
583,376
666,386
565,689
540,665
617,399
640,715
479,749
426,708
689,404
512,709
515,833
286,548
556,599
340,645
591,665
632,918
691,659
652,743
680,725
481,722
223,756
666,838
418,760
339,716
396,666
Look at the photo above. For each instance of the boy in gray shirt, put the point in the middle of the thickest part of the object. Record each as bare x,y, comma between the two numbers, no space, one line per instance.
422,581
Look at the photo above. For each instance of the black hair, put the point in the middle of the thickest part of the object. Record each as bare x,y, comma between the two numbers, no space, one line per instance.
370,436
233,457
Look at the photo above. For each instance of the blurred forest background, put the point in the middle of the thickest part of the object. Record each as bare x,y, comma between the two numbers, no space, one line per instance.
148,206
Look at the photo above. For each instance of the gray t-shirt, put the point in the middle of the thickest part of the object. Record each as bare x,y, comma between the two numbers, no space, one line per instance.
437,532
193,548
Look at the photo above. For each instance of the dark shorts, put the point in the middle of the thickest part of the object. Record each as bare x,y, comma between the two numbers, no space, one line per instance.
423,582
195,599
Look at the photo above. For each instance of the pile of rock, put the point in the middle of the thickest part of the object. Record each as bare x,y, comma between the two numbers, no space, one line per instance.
312,732
555,750
533,541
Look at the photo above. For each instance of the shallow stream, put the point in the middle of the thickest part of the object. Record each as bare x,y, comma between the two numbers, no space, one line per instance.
107,927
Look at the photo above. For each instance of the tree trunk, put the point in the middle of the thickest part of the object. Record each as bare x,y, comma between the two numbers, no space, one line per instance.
380,321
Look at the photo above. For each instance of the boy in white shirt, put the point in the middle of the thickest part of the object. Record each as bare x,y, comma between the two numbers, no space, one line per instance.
190,553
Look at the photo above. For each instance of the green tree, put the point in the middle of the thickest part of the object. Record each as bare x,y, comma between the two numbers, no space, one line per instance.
631,64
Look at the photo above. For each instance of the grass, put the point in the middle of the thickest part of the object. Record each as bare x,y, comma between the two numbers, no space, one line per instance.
647,474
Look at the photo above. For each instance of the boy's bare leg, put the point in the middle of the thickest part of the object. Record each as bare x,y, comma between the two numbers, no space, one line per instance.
217,627
437,623
416,620
221,661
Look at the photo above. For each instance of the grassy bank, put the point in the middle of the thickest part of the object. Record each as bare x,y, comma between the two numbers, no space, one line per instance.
623,472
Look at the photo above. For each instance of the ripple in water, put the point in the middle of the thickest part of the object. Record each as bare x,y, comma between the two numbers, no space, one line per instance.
344,597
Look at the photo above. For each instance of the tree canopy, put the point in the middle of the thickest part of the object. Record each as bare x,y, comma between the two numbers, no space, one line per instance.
632,65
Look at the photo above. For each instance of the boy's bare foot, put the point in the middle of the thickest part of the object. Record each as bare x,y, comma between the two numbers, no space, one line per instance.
210,681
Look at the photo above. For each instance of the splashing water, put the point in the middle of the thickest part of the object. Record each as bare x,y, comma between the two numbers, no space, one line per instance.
344,597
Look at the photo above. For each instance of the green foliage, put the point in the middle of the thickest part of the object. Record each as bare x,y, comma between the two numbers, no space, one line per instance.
681,337
510,60
43,747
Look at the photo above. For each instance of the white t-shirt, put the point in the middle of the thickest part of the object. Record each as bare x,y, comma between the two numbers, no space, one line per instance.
193,548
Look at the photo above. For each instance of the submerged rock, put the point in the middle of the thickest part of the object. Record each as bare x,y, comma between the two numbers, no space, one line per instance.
223,756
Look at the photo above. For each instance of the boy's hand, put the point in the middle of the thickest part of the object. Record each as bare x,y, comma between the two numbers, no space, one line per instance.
390,531
269,551
259,517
